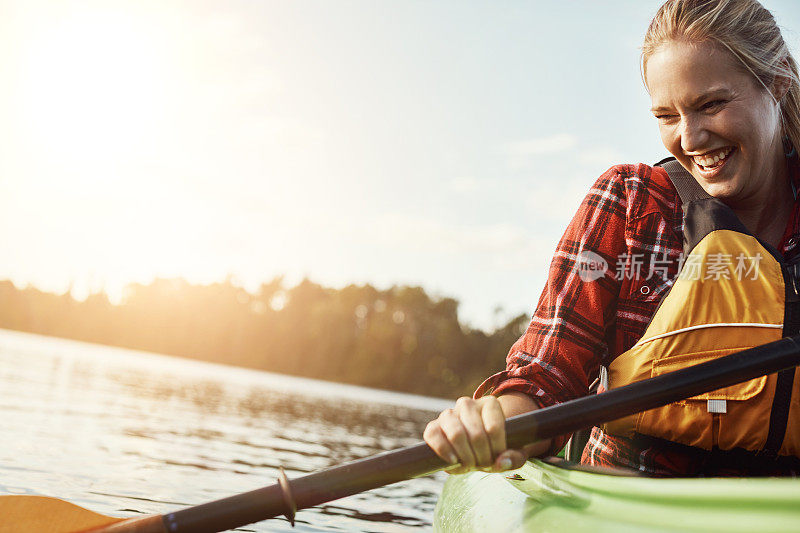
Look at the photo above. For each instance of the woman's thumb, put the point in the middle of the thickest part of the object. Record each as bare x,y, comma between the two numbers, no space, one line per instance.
509,460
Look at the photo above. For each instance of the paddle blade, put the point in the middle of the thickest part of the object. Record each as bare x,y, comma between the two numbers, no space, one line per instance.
40,514
47,515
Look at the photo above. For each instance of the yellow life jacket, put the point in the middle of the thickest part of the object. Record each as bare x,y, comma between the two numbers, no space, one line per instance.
732,292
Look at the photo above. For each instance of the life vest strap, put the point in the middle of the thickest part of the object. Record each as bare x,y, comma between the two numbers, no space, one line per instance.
687,187
716,460
779,414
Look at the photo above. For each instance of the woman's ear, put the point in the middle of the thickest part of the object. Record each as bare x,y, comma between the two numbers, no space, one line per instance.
782,83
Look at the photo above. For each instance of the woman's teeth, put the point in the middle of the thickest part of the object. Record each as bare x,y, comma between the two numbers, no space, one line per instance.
713,159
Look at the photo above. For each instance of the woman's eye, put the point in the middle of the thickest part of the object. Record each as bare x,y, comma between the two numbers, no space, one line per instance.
712,104
665,117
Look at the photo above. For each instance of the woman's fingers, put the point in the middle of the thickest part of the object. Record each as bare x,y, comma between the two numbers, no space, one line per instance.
438,442
469,412
453,428
494,422
508,460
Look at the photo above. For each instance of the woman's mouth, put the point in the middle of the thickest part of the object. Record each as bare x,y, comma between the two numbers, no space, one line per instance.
711,161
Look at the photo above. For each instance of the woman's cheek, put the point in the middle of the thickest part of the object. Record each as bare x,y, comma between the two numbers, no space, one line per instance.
669,139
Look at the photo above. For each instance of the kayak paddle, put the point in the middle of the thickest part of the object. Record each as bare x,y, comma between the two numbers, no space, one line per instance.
49,515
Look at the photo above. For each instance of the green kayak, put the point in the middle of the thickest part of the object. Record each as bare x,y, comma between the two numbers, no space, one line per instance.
554,497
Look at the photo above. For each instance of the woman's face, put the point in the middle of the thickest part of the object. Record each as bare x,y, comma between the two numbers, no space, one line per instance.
718,121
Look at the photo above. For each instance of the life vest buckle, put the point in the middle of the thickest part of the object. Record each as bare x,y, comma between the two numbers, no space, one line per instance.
717,406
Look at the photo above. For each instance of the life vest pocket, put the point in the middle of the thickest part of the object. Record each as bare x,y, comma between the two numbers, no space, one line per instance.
738,392
731,417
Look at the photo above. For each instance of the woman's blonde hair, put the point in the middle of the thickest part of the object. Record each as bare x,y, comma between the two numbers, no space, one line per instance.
743,27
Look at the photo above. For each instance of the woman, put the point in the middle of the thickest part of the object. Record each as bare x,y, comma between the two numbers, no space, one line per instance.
726,95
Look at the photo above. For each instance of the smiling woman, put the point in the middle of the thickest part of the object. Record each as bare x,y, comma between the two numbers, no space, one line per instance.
707,256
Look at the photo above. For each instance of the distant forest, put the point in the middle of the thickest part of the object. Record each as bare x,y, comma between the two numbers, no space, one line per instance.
399,339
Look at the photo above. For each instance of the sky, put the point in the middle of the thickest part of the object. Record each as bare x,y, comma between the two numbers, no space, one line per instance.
442,144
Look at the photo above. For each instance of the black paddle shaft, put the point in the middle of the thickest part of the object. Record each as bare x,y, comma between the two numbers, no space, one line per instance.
412,461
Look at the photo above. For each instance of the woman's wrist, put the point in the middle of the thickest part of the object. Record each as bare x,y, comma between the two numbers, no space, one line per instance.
516,403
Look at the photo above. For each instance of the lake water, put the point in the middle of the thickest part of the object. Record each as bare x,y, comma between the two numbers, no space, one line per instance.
123,433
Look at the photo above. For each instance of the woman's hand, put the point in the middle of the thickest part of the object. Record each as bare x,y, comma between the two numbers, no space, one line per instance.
472,435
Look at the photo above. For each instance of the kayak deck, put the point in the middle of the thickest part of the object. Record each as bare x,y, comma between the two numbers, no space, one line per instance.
541,497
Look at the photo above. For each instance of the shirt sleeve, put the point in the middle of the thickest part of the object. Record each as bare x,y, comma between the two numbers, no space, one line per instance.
559,355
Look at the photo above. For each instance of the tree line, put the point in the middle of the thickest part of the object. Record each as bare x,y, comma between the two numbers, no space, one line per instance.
398,339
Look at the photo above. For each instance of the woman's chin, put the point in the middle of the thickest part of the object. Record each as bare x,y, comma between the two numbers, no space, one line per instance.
721,190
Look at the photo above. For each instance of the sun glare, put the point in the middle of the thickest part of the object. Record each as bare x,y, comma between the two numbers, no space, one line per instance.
91,87
94,90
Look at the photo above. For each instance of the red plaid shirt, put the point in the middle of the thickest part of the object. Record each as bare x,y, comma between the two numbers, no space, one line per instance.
631,216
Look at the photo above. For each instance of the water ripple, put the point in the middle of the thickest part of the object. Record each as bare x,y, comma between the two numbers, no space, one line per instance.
127,433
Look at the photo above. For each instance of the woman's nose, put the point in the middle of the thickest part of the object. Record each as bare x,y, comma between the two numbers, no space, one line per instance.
694,135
